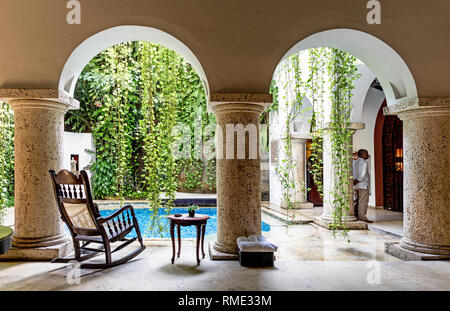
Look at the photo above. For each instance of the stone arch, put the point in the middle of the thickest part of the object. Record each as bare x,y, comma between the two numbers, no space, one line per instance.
97,43
388,66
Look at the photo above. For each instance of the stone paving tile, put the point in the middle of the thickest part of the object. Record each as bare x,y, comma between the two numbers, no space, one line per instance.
309,258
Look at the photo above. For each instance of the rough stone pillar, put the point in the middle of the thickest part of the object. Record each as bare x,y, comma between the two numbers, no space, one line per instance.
426,189
298,144
38,143
328,185
238,175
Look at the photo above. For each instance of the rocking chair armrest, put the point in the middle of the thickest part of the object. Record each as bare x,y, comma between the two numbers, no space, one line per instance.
102,220
96,209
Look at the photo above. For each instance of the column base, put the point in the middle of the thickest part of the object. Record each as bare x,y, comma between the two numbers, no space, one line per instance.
225,248
395,249
217,255
351,224
38,253
299,205
20,242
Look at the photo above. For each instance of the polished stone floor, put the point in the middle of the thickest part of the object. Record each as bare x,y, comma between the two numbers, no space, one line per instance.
384,221
309,258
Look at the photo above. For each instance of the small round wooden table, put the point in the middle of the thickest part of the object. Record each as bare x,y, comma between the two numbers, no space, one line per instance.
5,239
199,221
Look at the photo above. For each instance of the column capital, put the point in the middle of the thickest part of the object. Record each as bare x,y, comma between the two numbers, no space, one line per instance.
39,99
355,126
240,98
221,108
300,137
221,102
422,105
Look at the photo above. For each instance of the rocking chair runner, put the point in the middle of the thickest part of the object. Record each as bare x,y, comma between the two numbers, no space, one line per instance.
78,211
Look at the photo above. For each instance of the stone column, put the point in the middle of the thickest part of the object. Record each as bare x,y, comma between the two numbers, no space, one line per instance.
426,188
38,143
326,218
298,144
238,175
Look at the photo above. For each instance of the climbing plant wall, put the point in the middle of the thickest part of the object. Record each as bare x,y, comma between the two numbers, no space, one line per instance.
146,109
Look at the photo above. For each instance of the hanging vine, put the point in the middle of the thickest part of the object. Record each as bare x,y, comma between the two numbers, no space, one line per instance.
6,158
132,96
123,85
317,63
343,73
327,68
293,101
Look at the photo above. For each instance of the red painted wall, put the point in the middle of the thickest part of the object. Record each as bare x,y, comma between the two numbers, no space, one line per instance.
378,149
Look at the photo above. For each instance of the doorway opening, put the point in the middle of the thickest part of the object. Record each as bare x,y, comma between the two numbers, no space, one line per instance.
393,164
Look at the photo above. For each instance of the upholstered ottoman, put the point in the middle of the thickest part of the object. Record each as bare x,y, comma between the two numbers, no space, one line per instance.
255,251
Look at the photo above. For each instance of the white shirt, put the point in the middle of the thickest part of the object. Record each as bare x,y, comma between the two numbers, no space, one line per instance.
361,173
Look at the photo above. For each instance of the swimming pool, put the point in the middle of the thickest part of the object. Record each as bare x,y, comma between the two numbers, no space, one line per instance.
143,216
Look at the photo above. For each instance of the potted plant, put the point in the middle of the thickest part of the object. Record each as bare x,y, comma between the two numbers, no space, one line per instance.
191,210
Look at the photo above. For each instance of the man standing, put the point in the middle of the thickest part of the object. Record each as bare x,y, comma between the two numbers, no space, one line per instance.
361,182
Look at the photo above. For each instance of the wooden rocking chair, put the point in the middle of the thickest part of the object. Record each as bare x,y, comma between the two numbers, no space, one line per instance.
78,211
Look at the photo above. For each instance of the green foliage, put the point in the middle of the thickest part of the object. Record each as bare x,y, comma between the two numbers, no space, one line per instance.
211,175
318,59
343,72
192,208
159,103
193,170
133,97
341,69
275,99
287,165
6,157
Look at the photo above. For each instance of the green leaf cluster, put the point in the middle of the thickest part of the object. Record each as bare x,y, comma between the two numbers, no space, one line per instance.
6,158
133,97
341,70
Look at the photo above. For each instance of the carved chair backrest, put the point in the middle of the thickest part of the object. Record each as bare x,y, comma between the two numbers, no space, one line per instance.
74,199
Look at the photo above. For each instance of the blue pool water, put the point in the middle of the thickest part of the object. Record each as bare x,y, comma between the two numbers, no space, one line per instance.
143,216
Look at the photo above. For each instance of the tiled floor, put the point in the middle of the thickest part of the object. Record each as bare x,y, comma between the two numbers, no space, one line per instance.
309,258
385,221
152,270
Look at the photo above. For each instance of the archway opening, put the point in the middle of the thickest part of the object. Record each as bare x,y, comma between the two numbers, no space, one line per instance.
387,65
294,78
143,108
392,138
383,77
99,42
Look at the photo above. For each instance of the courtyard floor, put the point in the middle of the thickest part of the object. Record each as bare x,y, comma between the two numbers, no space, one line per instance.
384,221
309,258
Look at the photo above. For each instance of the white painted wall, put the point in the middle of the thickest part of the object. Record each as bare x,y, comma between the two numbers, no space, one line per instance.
364,139
77,143
362,86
